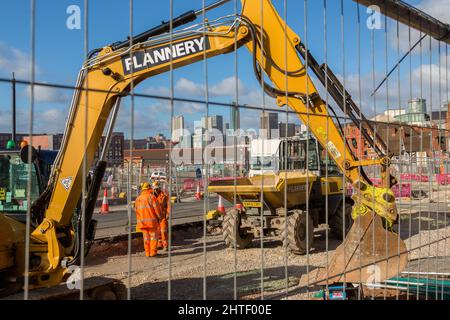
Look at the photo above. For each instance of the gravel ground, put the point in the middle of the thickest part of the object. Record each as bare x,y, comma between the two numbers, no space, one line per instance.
149,275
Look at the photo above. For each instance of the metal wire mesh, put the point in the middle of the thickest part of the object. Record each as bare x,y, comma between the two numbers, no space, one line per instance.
420,163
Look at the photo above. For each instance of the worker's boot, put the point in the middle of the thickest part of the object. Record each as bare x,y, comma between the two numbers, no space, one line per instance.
369,253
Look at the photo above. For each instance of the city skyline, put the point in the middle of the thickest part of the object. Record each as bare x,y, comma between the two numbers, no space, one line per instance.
225,86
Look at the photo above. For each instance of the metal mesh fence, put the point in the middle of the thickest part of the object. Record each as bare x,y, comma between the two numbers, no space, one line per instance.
329,180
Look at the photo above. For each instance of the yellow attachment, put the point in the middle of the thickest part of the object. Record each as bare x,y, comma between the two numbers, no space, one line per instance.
379,200
46,233
213,215
145,186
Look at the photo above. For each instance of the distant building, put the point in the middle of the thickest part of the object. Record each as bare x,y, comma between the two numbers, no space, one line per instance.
4,137
198,138
399,138
44,141
115,153
209,129
185,141
160,138
268,124
191,156
213,122
282,130
439,118
301,130
177,128
138,144
235,118
416,113
388,116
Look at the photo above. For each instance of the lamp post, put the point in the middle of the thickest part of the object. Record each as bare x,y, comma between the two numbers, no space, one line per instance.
11,144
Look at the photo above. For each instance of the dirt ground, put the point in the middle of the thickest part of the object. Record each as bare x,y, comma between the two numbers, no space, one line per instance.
253,266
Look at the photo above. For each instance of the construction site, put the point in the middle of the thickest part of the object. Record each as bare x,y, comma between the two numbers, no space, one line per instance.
237,150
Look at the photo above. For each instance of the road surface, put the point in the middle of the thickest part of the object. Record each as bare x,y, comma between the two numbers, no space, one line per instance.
115,223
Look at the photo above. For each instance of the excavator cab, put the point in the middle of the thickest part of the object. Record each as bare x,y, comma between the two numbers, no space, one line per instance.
306,153
14,174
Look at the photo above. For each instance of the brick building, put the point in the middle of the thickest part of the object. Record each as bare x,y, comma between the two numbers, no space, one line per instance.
115,152
399,138
43,141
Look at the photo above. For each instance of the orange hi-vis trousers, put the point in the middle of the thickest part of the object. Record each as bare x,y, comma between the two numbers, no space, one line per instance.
163,235
150,236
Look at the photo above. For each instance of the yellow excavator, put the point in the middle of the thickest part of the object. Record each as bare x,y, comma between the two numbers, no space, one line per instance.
111,72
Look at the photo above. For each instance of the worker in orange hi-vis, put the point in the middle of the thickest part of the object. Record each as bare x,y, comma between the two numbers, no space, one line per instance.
163,200
148,216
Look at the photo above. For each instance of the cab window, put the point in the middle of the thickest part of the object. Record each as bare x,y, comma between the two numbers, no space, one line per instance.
14,183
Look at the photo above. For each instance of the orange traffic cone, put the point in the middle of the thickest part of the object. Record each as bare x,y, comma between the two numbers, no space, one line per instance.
105,206
198,195
220,206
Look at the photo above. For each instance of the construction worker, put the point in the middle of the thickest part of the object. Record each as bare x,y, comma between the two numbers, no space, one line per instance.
148,215
164,202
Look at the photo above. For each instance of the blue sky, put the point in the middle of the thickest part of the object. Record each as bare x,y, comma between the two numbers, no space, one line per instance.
60,52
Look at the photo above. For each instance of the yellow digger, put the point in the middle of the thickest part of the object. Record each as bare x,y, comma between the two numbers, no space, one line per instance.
110,73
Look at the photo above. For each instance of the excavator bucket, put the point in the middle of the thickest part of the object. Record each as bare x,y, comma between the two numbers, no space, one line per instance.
369,254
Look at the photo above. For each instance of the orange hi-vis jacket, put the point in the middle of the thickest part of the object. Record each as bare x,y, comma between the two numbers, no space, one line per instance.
148,210
163,200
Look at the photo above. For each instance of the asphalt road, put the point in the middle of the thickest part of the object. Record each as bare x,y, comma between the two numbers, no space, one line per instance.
115,222
424,206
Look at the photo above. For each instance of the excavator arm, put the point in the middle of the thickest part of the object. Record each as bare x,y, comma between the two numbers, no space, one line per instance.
368,247
109,75
104,79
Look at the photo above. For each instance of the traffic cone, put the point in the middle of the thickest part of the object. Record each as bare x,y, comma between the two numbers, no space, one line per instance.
105,206
220,206
198,195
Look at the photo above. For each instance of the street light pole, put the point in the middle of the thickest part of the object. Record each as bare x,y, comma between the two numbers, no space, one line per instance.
13,137
11,144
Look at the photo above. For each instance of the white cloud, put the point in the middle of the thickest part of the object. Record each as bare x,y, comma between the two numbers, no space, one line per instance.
225,88
14,60
45,121
185,86
148,119
228,87
50,120
439,9
157,91
419,78
47,94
